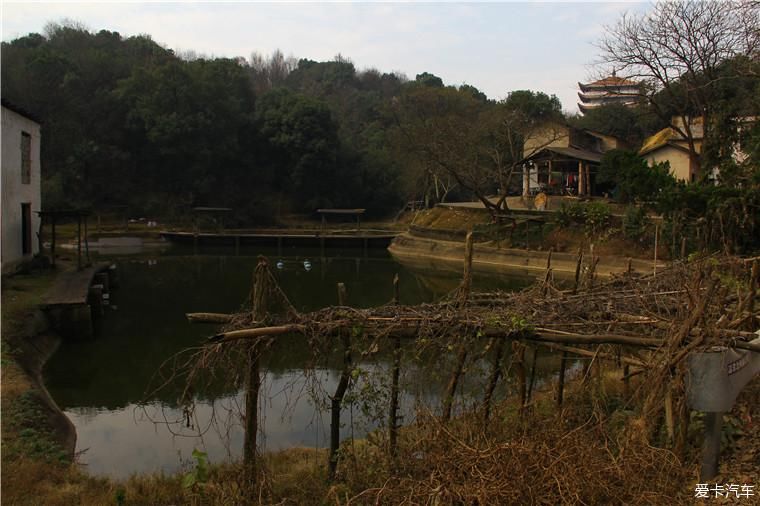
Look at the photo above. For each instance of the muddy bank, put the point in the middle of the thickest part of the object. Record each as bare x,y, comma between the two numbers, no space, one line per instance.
439,254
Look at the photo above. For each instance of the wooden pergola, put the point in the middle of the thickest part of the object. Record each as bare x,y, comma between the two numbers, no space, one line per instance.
55,216
342,212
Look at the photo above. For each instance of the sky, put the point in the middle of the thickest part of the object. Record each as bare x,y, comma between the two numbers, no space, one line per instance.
496,47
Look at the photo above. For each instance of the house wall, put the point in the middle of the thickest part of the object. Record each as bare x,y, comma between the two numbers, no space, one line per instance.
14,192
680,164
551,135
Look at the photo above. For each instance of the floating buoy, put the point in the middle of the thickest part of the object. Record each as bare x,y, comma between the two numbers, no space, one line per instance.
280,264
307,265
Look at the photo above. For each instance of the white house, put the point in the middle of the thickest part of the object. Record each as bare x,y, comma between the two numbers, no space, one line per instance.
21,197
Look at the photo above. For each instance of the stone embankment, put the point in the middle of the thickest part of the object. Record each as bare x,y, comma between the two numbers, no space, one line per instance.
415,251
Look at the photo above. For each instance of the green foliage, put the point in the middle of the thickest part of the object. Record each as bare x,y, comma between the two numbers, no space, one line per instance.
635,223
121,496
199,473
628,124
127,122
728,218
594,217
631,179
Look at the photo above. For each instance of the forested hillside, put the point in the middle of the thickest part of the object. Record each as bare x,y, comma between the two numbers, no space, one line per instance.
129,122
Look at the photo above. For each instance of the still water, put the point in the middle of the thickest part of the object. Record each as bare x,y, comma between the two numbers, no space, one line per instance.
102,384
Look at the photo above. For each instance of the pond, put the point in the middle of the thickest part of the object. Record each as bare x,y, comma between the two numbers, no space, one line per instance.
102,384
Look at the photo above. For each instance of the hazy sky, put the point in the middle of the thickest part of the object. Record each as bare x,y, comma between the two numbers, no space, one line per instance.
496,47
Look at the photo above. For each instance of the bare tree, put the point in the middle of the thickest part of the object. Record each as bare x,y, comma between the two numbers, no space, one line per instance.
676,50
270,72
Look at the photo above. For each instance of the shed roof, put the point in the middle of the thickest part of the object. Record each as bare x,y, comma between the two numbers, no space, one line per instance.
19,110
578,154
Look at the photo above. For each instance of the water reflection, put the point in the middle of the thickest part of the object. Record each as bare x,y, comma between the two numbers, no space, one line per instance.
100,382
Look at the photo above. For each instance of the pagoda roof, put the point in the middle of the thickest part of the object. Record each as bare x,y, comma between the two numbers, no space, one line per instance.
608,82
607,96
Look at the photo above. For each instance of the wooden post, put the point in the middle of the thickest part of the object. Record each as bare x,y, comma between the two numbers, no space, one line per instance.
252,387
451,388
253,378
340,391
711,447
86,242
493,379
656,240
753,279
393,411
52,242
683,247
532,374
467,275
669,420
518,351
578,268
79,242
561,383
581,182
547,276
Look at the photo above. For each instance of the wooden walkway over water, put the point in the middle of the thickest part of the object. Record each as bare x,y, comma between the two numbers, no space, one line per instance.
73,303
72,287
363,239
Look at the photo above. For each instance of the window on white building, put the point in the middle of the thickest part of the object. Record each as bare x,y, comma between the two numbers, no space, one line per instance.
26,158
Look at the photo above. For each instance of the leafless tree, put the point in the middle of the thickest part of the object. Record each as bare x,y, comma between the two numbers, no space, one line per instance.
271,71
676,50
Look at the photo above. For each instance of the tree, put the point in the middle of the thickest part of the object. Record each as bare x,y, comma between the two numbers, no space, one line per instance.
629,124
304,146
676,50
629,178
525,122
477,144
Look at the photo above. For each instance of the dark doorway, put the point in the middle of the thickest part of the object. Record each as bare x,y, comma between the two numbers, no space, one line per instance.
26,229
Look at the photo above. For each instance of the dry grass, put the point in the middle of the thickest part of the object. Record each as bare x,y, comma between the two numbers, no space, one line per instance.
451,218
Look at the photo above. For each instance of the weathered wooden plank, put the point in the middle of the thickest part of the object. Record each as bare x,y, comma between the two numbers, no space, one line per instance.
72,287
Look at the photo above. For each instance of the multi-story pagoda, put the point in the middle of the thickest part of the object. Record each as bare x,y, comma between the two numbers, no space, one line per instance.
610,90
